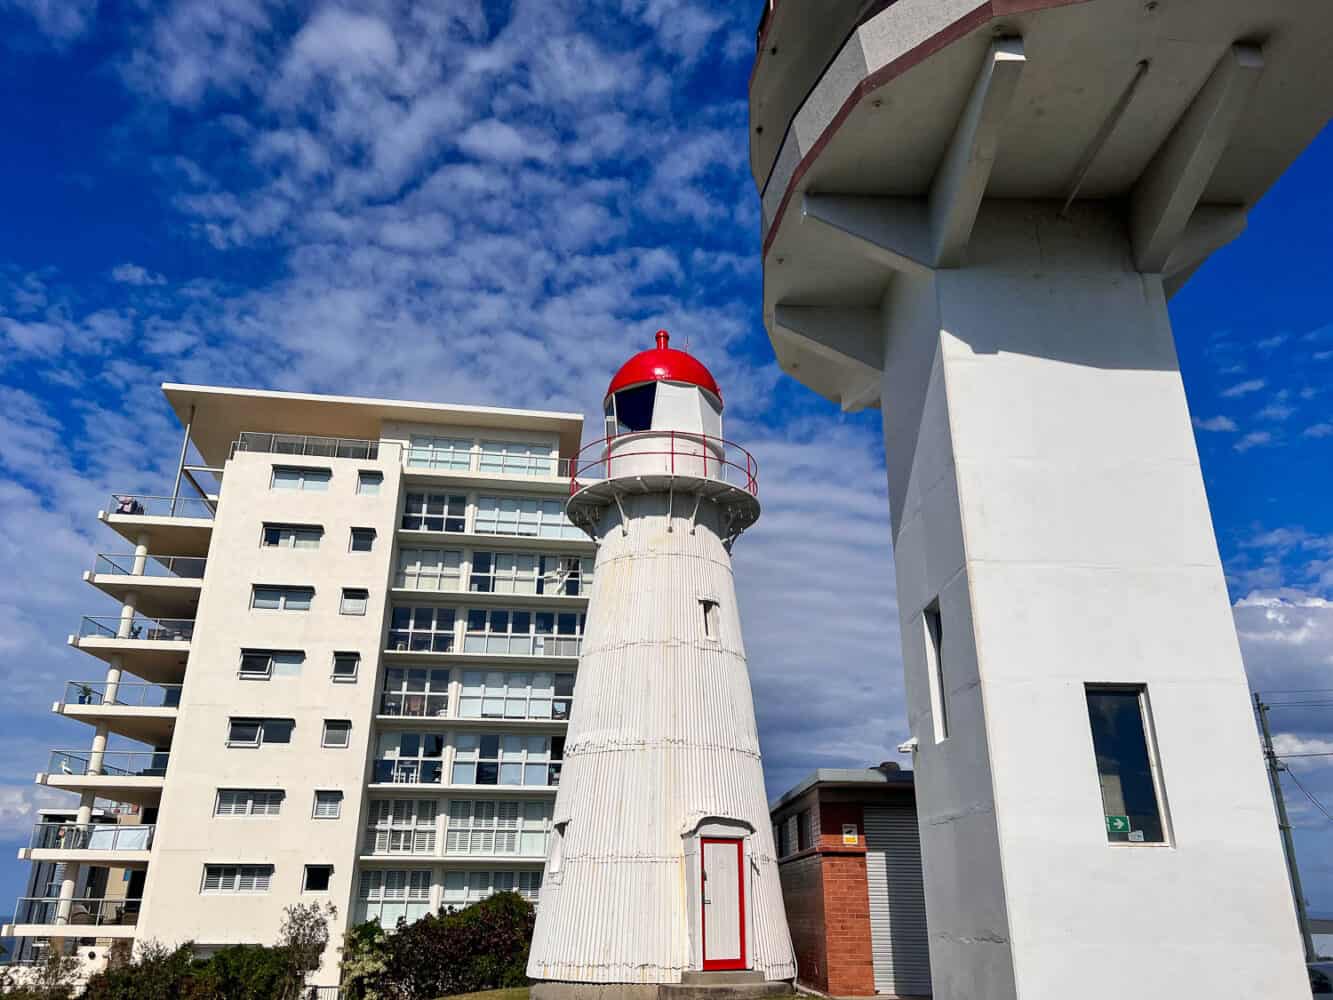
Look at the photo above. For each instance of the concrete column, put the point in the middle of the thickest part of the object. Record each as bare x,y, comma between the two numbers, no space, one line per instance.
67,886
96,756
124,631
112,688
140,555
1048,506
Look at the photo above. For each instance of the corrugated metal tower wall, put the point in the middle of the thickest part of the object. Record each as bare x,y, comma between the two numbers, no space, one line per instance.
661,736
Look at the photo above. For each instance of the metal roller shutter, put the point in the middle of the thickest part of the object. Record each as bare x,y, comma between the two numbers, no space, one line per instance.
898,934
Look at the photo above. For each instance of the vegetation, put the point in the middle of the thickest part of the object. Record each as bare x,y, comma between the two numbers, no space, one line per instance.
482,947
54,979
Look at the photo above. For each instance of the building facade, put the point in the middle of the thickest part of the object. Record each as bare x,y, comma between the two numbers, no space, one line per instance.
341,675
850,860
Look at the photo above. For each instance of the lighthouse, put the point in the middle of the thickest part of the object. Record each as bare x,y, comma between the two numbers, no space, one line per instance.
661,867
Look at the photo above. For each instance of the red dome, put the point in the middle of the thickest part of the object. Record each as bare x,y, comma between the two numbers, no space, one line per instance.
664,364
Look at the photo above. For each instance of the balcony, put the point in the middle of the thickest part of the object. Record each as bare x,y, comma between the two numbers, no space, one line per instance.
166,586
408,772
169,524
50,916
134,776
112,844
142,712
152,648
306,445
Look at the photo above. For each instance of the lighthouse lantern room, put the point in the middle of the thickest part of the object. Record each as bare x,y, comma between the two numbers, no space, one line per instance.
661,867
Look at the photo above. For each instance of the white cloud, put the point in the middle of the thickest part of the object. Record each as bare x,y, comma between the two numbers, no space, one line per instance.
1277,412
1322,430
499,141
1254,439
61,20
1218,423
1244,388
19,805
133,274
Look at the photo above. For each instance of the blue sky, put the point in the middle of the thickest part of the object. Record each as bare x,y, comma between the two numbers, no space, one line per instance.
496,203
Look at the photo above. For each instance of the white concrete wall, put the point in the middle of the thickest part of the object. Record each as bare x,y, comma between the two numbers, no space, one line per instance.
188,835
1046,489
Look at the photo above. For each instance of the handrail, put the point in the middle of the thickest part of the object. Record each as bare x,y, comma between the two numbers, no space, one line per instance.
140,505
306,445
150,564
132,694
429,458
686,447
92,836
140,627
92,911
94,763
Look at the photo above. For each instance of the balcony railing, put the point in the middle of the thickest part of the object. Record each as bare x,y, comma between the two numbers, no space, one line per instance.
91,837
52,910
307,445
503,463
507,644
116,763
174,567
419,840
137,505
414,704
137,627
666,453
131,694
409,772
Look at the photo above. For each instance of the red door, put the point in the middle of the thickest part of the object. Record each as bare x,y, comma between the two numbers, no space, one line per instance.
723,906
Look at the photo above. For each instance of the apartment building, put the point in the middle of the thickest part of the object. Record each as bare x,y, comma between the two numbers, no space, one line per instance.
341,672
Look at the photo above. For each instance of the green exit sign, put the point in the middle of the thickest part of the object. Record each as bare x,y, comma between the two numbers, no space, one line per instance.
1117,824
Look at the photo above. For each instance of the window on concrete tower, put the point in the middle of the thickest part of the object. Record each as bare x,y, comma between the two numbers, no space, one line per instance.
1126,764
634,408
933,626
711,617
317,878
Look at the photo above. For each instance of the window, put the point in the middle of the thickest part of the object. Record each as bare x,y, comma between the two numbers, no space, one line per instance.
337,732
526,517
287,477
291,536
504,827
523,633
391,896
248,802
354,601
254,732
261,664
525,573
317,878
427,451
513,458
421,629
363,539
428,569
401,826
328,804
237,878
933,627
557,859
415,692
804,831
282,598
410,758
345,666
498,694
507,760
435,512
634,408
710,617
368,483
1126,764
461,888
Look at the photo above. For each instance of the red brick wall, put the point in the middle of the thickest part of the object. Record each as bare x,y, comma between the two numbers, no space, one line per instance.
851,967
803,898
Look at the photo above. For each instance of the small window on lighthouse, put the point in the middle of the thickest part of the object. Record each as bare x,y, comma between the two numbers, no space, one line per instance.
939,708
557,849
711,622
634,408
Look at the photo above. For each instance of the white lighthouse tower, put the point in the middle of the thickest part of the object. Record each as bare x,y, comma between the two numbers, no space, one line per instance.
662,868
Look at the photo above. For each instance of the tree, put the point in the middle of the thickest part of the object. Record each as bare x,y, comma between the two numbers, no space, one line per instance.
54,979
304,937
365,959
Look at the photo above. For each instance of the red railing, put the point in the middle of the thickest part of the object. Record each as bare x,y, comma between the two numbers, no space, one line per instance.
685,451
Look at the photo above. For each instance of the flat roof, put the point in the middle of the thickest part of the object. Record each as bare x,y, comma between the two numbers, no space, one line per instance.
222,413
844,777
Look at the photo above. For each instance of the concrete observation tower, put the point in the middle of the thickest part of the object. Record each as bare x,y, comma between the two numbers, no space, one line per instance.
974,213
662,868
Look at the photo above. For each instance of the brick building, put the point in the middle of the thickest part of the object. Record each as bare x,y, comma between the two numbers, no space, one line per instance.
849,859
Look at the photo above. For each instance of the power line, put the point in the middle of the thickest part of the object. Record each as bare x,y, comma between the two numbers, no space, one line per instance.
1314,801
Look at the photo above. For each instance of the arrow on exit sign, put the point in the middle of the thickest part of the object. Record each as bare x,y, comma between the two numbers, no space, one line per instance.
1117,824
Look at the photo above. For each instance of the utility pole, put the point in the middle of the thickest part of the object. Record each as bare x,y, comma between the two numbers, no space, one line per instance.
1284,825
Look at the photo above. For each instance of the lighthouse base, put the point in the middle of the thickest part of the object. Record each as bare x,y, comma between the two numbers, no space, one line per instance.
693,986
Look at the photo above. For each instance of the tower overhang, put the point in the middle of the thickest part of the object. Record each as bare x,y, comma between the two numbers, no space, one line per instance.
877,130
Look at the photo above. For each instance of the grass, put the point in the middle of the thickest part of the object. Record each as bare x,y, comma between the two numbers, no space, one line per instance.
515,993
